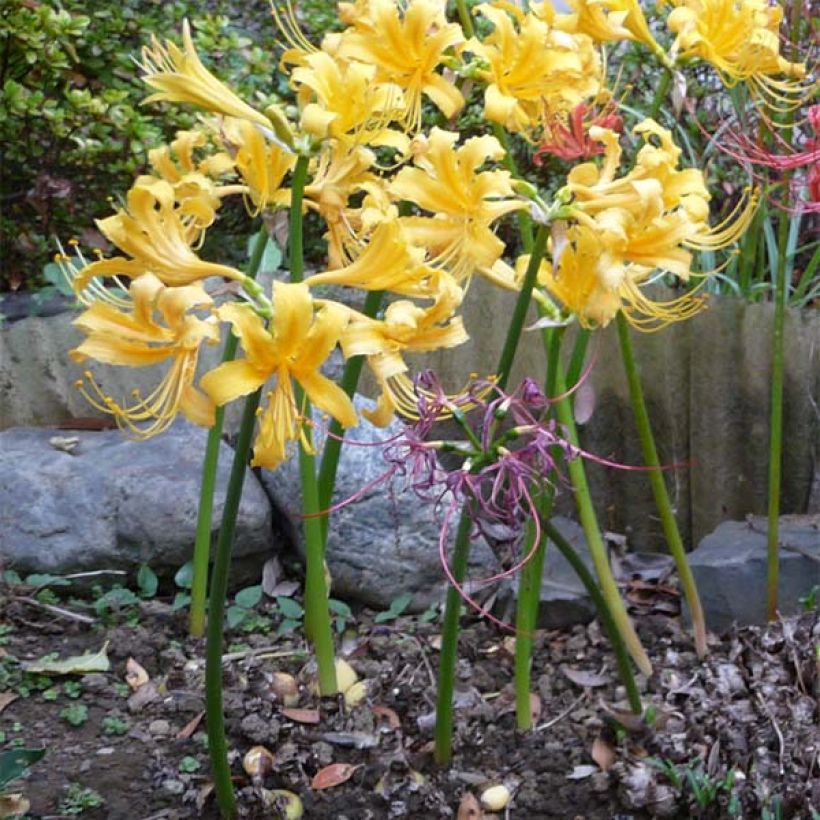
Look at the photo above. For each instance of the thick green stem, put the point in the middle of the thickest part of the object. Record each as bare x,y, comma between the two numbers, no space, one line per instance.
776,423
217,742
465,19
522,305
443,751
202,542
333,445
660,93
317,615
659,491
595,542
523,216
461,551
526,616
529,587
604,613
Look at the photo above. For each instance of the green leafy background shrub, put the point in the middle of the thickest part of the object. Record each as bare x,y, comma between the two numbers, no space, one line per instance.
72,128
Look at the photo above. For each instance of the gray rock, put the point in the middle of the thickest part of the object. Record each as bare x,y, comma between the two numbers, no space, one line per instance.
729,566
114,503
385,543
564,601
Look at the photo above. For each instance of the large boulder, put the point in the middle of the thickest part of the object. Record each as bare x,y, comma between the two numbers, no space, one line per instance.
729,566
385,542
78,500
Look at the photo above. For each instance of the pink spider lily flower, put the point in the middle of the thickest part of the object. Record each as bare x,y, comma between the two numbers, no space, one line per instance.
510,451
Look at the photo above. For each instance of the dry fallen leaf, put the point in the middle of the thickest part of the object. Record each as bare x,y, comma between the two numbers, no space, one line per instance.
135,674
583,678
286,804
535,707
142,697
582,772
333,775
6,698
258,762
75,665
603,753
13,805
302,715
388,714
469,808
190,727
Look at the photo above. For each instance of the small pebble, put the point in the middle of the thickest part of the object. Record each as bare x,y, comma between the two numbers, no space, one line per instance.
159,728
95,682
173,787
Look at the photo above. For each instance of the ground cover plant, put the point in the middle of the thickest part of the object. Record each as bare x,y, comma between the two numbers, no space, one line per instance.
412,202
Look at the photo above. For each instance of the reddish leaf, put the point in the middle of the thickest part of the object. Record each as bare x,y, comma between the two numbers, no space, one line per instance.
6,698
535,707
333,775
302,715
190,727
135,674
603,753
388,714
469,808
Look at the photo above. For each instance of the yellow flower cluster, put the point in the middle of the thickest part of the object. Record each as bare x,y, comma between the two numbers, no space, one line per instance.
624,228
407,211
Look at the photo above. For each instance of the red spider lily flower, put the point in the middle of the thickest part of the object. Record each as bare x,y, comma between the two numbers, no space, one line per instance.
572,141
784,158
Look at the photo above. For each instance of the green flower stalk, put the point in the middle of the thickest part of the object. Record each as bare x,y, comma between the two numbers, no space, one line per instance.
659,491
202,542
317,614
592,532
443,736
215,719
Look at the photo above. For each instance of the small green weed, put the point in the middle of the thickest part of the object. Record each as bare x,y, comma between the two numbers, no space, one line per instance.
73,689
113,725
811,599
396,608
76,714
189,765
79,799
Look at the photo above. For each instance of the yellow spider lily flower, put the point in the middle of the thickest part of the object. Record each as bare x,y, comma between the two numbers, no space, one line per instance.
344,101
179,76
388,262
159,238
656,209
535,71
406,42
194,181
406,327
629,226
464,202
295,348
594,285
740,38
158,327
339,173
607,20
262,164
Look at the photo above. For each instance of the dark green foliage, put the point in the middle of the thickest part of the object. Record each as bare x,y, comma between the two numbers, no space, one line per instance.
73,130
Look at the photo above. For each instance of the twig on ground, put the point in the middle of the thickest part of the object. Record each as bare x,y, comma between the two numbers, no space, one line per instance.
55,610
558,718
263,652
781,742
